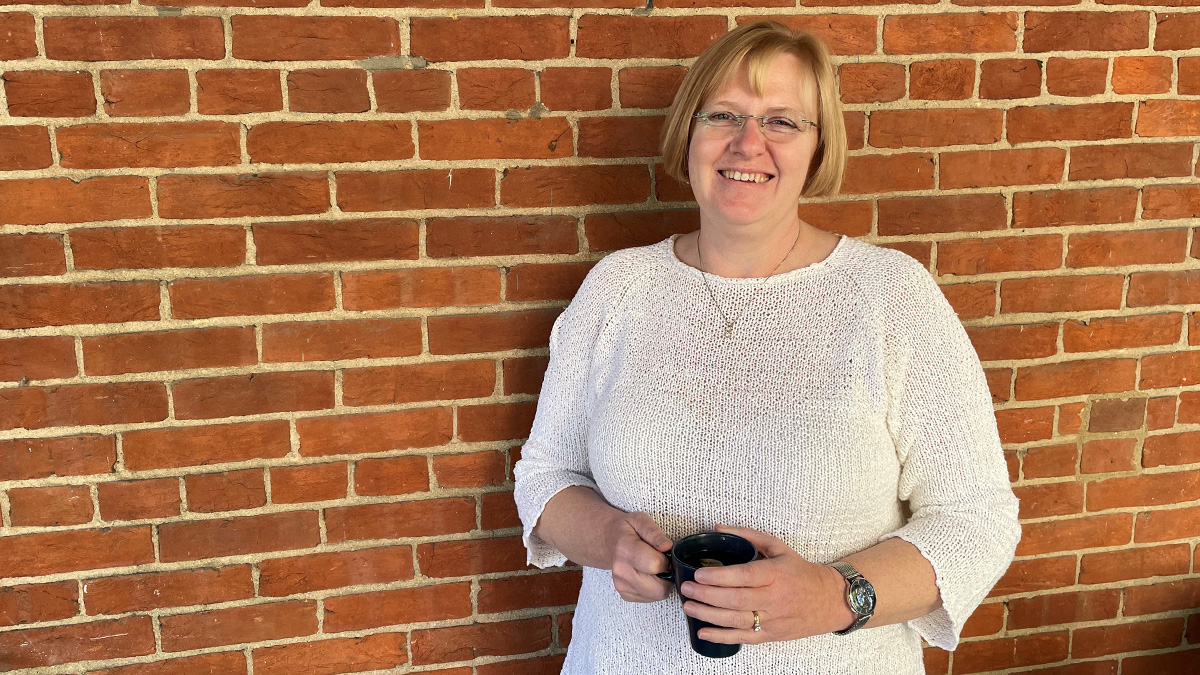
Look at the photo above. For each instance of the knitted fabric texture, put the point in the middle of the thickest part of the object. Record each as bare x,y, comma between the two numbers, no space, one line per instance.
848,388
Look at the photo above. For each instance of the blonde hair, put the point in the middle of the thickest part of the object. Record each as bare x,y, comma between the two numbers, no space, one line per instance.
758,44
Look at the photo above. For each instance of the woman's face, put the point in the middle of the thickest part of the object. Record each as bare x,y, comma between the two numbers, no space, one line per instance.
773,171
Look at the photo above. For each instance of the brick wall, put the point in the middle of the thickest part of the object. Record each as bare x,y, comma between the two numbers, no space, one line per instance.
278,276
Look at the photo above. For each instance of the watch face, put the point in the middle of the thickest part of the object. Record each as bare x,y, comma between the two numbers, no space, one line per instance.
862,597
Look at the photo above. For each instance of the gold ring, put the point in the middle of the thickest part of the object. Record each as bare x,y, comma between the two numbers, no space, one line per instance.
757,625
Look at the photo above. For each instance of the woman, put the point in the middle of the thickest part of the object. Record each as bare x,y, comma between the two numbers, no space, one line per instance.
812,393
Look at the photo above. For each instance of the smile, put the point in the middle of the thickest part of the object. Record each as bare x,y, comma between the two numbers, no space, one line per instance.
746,177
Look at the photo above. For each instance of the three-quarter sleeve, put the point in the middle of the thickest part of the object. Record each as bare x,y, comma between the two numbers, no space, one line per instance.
555,456
953,474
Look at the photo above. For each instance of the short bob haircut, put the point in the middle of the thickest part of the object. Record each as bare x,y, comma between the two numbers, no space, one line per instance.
759,44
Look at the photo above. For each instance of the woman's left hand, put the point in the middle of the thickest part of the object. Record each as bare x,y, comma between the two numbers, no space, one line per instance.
794,598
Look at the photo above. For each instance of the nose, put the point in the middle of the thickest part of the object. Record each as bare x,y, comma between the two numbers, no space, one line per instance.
750,138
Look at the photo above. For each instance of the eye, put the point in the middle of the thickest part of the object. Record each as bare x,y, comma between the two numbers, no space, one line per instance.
781,123
721,116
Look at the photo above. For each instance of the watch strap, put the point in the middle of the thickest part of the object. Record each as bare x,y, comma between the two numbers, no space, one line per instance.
850,574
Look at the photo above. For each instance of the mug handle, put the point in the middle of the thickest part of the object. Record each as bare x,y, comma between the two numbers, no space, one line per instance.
669,575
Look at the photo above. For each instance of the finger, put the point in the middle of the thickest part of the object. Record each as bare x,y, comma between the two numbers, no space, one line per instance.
745,575
731,636
647,561
718,616
767,544
650,532
727,598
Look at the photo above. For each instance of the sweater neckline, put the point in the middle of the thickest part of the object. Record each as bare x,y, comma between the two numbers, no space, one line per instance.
818,267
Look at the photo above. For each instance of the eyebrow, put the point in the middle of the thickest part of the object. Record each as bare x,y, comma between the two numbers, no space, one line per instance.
773,110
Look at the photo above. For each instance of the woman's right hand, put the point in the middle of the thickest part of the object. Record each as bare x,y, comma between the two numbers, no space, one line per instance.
638,547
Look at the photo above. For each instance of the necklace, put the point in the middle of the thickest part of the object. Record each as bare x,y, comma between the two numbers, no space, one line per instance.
731,323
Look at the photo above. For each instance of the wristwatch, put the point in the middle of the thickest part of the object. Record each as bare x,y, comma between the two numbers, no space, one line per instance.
861,596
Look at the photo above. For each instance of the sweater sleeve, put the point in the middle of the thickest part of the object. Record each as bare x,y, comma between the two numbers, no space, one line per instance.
555,455
953,474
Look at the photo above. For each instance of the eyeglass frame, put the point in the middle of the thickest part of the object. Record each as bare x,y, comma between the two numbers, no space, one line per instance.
762,120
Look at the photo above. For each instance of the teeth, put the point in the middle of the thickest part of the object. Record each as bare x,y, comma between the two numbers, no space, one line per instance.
746,177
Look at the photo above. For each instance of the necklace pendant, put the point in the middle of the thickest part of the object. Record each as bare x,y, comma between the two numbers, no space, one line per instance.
729,330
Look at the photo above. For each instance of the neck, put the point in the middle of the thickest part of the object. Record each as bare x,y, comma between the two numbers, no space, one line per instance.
746,254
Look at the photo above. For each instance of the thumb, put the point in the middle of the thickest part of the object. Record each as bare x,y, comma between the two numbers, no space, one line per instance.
650,533
768,545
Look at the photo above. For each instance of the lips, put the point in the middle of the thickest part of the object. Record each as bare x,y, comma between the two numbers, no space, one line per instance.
746,176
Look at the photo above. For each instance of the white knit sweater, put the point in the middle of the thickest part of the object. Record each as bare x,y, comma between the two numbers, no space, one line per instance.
848,387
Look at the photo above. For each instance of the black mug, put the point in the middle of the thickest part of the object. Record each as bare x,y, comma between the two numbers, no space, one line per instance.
707,549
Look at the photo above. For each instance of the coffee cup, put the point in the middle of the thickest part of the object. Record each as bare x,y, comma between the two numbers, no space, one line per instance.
707,549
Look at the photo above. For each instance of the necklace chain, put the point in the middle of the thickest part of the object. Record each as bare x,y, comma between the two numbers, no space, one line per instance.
730,324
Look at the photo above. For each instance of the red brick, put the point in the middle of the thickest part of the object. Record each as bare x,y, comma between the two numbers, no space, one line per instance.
1168,118
337,340
322,571
1010,78
35,603
1026,576
495,88
17,36
1189,409
1050,461
37,358
591,89
651,87
253,394
1075,533
411,90
1000,254
322,142
620,37
872,83
1142,74
1172,449
140,592
106,248
494,422
403,519
35,648
238,625
1121,332
545,282
988,619
1167,524
1112,415
419,382
170,350
1060,608
391,476
1086,122
971,301
57,552
238,91
62,200
138,499
1170,370
128,38
337,90
841,33
410,190
1164,288
506,235
1076,77
308,483
233,296
476,469
82,405
49,506
313,38
1136,563
458,643
1073,378
228,491
544,138
471,557
203,445
1176,30
336,241
1130,637
1050,499
399,430
1189,75
21,148
1137,160
612,231
942,80
399,606
953,213
961,33
1010,652
888,173
985,168
616,137
538,590
939,127
31,305
233,195
574,185
225,663
199,539
421,287
1160,411
473,333
46,93
1163,597
480,38
1021,425
1059,294
1112,249
1086,31
524,375
498,511
145,93
1170,202
1055,208
936,661
382,651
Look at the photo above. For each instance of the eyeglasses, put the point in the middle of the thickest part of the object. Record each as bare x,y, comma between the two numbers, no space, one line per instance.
776,127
